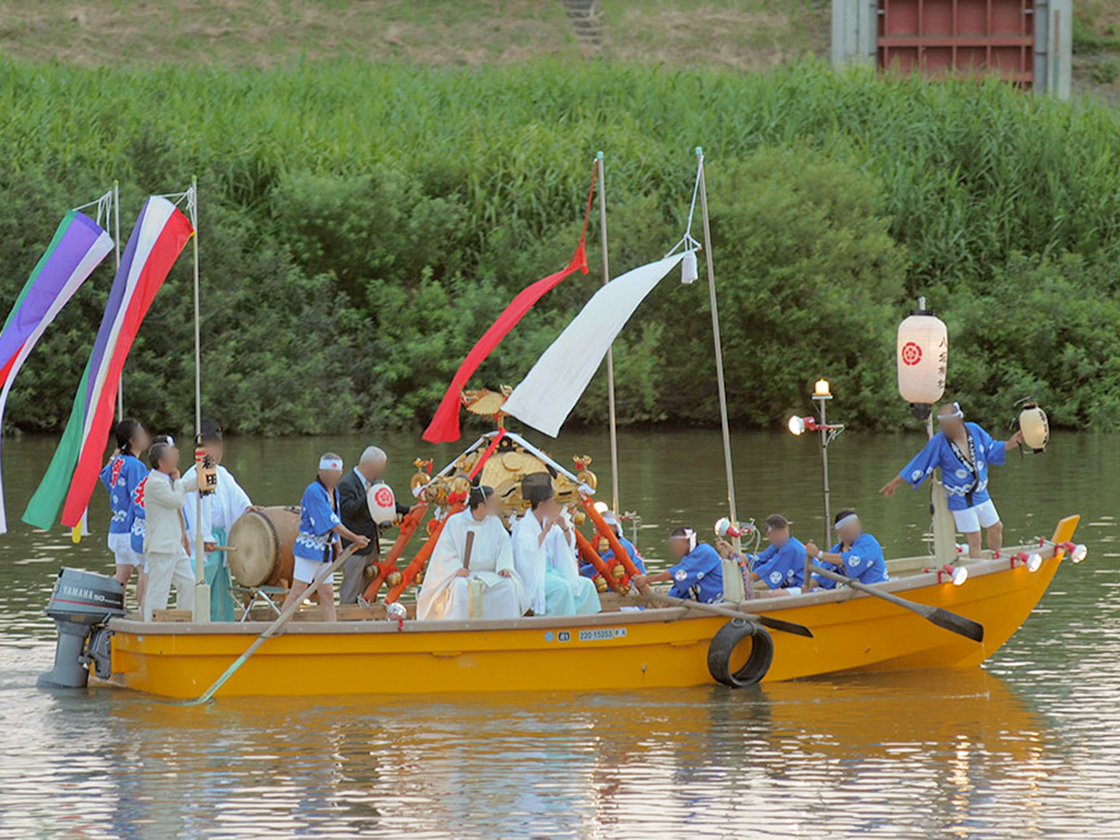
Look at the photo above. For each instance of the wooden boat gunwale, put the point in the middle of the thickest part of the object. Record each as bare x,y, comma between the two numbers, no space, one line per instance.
770,603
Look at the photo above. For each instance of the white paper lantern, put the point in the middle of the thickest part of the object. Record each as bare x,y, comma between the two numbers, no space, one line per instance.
381,503
923,357
1035,426
688,268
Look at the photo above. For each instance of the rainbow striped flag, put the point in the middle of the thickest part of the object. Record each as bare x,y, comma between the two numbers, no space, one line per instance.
160,234
77,248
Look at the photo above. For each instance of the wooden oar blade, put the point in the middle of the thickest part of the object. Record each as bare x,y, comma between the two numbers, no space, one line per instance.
783,626
957,624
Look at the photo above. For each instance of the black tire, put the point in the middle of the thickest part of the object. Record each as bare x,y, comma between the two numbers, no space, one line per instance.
723,645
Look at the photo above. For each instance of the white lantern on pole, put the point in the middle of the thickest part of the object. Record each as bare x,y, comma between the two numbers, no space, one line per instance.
922,356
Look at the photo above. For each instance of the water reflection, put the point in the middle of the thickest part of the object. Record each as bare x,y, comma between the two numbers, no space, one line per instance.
922,753
1026,748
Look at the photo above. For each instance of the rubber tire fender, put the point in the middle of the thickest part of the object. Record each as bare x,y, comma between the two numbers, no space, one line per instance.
723,645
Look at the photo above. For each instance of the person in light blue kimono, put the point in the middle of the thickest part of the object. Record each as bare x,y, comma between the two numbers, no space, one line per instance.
607,553
545,561
857,555
963,451
697,574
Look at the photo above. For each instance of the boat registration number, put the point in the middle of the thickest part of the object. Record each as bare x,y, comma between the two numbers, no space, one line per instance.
602,634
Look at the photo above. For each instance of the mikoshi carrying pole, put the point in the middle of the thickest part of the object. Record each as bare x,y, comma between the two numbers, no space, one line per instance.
610,353
201,587
716,341
116,266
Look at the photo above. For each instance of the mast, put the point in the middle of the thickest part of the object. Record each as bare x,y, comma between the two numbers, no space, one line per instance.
116,268
716,340
201,588
610,353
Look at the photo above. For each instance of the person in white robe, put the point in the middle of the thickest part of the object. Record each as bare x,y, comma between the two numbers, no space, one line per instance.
446,591
220,510
543,555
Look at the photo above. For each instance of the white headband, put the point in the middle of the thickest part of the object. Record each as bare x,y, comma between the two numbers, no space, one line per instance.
957,412
689,535
326,463
850,519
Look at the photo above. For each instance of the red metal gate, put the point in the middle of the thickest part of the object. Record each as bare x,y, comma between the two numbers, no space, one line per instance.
958,36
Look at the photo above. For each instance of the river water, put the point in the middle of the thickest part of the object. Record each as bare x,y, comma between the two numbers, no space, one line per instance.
1027,746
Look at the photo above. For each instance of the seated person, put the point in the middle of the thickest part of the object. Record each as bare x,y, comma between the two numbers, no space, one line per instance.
445,592
607,555
782,564
542,552
698,573
858,555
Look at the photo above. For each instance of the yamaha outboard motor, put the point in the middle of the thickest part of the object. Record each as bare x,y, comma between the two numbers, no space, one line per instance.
81,605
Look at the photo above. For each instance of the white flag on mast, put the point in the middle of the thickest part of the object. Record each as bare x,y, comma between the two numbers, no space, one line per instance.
547,395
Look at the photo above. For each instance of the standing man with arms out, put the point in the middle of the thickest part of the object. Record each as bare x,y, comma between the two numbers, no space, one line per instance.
963,451
353,491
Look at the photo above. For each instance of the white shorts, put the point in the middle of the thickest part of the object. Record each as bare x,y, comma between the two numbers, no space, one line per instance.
121,546
970,520
305,571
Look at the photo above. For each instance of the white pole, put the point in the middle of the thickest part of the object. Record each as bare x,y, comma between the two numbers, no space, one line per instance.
117,265
610,352
716,341
824,468
201,589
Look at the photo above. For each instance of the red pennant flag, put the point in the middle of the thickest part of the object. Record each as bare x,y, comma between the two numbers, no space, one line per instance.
445,425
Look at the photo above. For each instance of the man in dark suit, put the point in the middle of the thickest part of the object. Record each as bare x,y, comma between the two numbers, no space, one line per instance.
357,571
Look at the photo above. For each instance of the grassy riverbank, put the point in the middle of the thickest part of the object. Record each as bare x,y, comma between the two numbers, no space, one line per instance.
363,223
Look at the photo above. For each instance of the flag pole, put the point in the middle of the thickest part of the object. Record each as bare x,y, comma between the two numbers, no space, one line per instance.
610,352
116,267
201,588
715,338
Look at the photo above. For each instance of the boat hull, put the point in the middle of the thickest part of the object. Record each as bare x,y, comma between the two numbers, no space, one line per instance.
654,648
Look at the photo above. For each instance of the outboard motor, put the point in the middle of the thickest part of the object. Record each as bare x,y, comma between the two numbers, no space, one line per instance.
81,605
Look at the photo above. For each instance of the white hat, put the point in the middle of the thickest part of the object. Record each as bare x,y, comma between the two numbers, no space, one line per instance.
381,503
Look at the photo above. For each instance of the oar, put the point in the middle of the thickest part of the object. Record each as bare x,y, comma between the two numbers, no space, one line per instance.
715,609
942,618
273,629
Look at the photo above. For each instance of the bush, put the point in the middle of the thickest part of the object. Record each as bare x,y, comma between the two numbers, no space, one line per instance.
362,225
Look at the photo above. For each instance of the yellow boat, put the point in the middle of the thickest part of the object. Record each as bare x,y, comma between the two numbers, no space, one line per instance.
616,649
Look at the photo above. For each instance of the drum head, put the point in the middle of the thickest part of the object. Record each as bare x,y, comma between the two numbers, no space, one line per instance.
254,537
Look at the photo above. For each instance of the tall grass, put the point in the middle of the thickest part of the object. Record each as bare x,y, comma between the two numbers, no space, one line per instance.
971,171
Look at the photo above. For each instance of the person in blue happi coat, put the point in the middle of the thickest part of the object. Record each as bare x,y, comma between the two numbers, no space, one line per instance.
857,555
698,573
963,451
782,564
320,527
607,553
120,476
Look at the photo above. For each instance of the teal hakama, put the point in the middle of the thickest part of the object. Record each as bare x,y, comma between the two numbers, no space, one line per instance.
220,510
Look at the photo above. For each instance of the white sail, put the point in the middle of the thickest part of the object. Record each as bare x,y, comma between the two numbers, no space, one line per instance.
546,396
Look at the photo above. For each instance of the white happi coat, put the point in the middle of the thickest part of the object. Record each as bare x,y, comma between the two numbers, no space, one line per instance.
550,571
444,594
220,509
